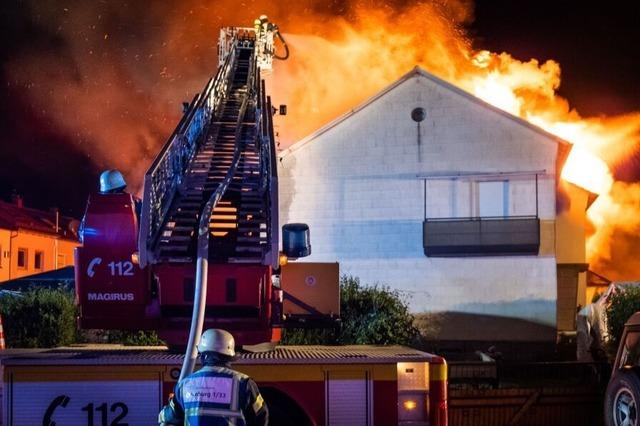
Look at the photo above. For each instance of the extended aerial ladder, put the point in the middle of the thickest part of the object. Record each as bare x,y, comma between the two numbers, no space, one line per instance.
222,192
222,151
210,198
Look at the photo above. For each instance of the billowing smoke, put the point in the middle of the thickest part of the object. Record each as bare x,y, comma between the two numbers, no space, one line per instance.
106,75
113,74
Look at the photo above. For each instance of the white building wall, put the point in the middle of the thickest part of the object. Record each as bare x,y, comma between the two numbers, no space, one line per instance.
356,185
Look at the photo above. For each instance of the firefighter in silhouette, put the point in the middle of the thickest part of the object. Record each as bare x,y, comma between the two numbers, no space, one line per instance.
112,182
215,394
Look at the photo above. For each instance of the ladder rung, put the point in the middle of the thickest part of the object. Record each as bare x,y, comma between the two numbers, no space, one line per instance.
176,238
249,249
251,239
245,260
173,247
180,228
223,225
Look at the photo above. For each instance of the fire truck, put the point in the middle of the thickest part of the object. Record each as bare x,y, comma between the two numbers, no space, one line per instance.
201,251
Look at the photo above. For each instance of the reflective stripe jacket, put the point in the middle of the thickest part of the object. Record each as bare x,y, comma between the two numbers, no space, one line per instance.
215,396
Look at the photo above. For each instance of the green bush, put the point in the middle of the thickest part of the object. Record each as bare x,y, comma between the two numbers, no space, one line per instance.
370,315
39,318
621,305
45,318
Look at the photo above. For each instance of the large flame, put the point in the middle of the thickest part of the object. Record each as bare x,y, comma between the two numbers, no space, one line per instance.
117,83
373,49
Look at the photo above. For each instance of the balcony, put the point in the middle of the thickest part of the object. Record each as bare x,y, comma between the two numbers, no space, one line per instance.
481,236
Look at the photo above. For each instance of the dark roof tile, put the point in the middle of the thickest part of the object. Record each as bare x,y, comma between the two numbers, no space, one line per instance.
14,217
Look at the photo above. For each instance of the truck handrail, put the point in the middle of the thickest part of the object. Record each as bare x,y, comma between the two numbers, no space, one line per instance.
269,174
163,179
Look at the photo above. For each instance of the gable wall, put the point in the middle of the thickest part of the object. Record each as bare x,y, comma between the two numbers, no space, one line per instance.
356,186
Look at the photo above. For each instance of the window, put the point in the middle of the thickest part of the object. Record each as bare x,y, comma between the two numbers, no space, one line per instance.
22,258
38,261
492,199
481,215
631,351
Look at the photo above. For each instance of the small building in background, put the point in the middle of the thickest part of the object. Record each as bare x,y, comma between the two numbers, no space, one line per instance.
34,241
453,202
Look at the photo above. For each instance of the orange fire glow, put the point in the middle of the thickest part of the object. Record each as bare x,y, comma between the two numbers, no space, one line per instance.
119,91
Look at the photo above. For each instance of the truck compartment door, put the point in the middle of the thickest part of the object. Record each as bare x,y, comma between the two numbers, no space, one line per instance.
311,292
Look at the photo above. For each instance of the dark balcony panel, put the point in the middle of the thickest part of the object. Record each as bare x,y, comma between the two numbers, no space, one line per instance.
481,236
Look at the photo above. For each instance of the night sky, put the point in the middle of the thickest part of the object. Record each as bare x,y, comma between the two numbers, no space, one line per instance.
598,49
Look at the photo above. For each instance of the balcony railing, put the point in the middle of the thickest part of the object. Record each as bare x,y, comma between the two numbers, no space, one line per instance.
481,236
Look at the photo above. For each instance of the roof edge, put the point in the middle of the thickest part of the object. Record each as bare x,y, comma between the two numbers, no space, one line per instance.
51,234
417,70
344,116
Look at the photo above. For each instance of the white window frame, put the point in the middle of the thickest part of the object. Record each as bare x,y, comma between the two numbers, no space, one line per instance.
504,201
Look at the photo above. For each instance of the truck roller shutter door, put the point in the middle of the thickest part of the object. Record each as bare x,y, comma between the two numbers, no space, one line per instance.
348,398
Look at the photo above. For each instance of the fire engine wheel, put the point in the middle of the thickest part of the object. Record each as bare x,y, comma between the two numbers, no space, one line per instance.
622,400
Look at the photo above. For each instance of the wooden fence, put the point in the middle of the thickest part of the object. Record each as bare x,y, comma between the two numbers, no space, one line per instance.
533,394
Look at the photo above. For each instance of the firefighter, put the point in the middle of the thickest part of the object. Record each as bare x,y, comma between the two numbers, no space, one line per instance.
112,182
215,394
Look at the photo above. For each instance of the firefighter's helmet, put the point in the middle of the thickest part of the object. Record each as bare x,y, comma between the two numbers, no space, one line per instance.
111,180
216,340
